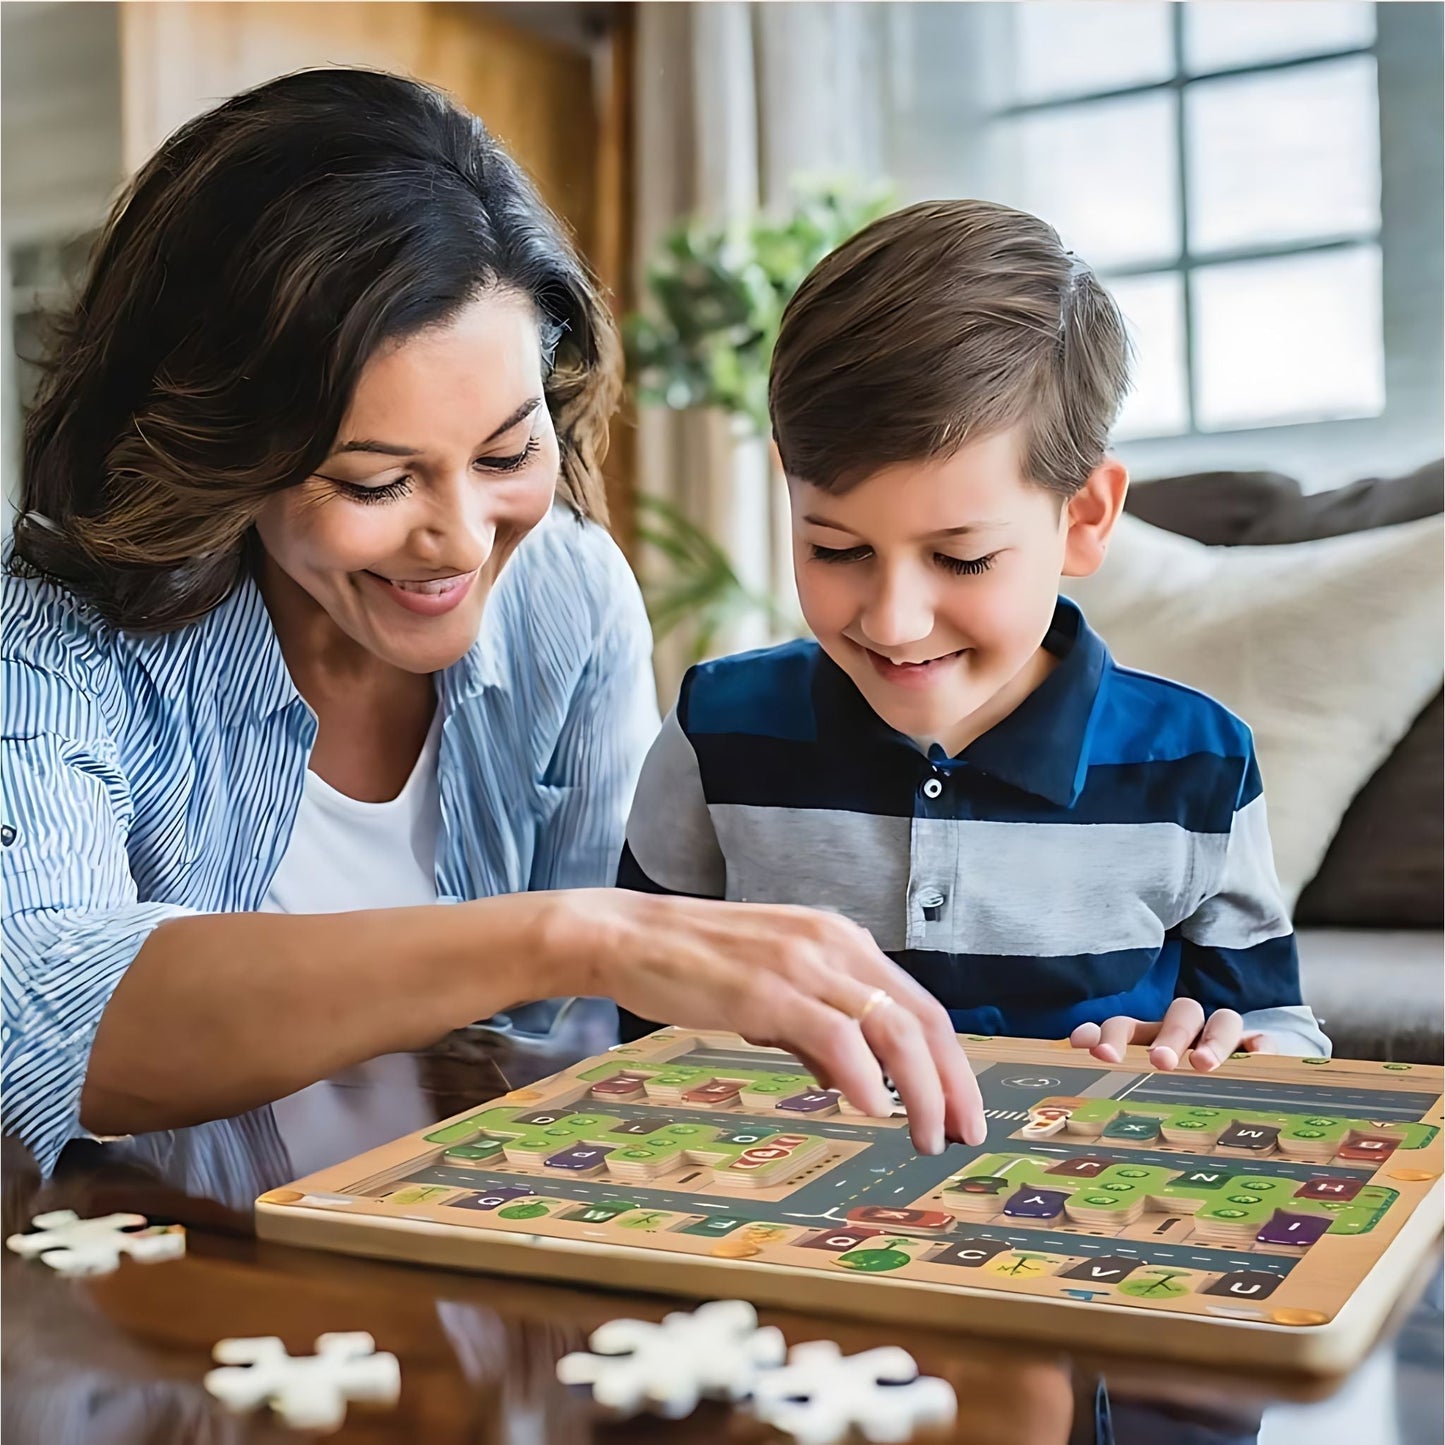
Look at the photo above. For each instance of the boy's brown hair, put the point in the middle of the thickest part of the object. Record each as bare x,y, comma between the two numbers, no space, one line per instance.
938,325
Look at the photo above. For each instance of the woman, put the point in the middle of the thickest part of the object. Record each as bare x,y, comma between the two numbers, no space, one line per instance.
298,647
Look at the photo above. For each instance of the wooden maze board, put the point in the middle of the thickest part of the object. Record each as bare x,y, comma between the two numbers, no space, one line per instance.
1267,1215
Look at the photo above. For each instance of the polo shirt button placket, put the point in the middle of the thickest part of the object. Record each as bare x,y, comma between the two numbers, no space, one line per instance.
931,901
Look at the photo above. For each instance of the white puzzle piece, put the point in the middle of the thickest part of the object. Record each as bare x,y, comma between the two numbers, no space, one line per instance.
821,1394
716,1352
309,1392
75,1246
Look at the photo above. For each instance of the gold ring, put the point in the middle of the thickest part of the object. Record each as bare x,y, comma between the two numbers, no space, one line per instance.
878,996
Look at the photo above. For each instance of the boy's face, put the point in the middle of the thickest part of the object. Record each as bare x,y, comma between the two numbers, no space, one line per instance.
932,584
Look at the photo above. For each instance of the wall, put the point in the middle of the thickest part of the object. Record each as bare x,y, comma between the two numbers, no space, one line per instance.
534,93
89,91
60,154
60,159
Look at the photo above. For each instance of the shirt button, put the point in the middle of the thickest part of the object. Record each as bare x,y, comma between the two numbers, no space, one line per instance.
933,788
931,901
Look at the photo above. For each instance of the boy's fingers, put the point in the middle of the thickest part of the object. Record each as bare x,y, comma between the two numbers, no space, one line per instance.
1220,1039
1115,1035
1180,1027
1085,1036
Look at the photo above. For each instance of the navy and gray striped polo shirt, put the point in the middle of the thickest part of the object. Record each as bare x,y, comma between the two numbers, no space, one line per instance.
1102,850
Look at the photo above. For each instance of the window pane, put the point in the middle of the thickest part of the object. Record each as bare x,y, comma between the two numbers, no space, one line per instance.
1241,32
1084,46
1153,307
1283,156
1289,340
1102,174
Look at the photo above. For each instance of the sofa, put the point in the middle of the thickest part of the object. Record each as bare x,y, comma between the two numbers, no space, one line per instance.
1365,851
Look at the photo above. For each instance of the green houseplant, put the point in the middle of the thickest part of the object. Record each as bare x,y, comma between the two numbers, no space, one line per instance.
714,297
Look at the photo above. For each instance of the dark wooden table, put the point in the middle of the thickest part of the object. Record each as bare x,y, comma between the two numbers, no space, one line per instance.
119,1359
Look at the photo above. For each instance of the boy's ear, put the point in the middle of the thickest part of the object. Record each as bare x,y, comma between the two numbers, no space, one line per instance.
1090,515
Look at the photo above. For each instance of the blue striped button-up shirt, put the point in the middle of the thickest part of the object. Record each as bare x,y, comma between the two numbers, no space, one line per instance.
148,777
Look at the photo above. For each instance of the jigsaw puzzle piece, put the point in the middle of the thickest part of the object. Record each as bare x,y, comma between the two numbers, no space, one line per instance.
76,1247
717,1352
821,1394
309,1392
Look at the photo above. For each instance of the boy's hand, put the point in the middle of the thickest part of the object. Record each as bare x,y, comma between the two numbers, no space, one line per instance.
1183,1029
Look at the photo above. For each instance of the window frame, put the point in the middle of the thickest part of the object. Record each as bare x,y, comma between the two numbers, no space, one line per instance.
1188,260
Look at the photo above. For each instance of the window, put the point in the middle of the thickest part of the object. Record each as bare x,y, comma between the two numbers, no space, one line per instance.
1219,164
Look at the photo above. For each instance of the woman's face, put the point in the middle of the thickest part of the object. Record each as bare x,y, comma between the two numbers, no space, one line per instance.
444,462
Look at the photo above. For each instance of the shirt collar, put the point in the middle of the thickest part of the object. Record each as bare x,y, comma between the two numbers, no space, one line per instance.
1041,747
248,666
476,670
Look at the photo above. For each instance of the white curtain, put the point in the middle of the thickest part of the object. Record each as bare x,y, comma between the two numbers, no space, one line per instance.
735,102
9,404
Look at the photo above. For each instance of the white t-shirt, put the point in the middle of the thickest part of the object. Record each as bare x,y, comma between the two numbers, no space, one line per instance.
345,854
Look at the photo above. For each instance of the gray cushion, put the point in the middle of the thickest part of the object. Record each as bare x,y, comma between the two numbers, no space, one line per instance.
1261,509
1378,994
1384,867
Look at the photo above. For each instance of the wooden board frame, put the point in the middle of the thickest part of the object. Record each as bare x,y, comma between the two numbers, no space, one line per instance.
1320,1319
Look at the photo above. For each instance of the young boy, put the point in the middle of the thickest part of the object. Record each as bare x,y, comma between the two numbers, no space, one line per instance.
1052,845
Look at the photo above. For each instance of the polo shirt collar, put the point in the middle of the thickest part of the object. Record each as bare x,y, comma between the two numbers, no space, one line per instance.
1041,747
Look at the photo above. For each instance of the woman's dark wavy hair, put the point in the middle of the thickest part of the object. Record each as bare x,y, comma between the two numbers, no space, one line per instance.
251,268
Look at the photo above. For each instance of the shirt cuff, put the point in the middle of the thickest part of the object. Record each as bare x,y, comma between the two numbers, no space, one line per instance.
1290,1029
61,991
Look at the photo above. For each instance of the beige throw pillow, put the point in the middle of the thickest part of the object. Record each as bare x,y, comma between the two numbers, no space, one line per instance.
1326,649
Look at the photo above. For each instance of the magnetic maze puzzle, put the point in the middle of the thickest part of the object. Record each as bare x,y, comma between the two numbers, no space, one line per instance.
1269,1214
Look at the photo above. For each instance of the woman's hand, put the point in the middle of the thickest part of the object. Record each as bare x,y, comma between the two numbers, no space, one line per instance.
1183,1029
812,983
